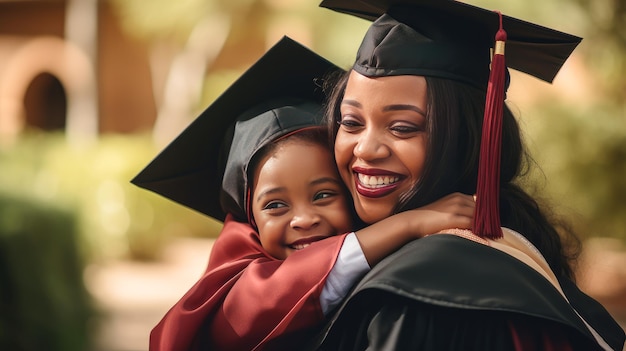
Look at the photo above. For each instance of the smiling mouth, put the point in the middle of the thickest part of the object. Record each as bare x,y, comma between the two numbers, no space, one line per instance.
375,182
299,246
302,243
376,186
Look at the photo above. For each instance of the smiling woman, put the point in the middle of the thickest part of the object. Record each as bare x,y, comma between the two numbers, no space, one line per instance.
510,286
381,118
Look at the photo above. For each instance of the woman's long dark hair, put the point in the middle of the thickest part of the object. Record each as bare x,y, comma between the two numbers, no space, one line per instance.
455,114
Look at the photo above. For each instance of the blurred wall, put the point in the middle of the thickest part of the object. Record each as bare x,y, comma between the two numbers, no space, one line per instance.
125,88
40,71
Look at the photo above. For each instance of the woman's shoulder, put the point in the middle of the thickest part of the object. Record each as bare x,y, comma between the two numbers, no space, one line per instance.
463,259
452,271
442,265
517,246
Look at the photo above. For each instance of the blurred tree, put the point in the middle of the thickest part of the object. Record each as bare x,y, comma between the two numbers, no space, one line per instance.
186,36
81,29
602,24
607,44
582,153
192,37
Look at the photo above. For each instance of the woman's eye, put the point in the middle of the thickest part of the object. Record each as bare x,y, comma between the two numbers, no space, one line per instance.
349,124
404,129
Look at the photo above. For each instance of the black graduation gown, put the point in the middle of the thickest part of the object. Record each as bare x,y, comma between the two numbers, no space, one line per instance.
444,292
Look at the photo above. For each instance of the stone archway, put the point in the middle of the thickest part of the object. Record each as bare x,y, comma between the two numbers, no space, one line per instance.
45,104
42,58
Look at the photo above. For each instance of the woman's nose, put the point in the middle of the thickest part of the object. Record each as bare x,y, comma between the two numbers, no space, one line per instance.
370,146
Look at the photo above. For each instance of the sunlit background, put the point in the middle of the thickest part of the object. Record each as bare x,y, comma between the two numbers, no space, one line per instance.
92,90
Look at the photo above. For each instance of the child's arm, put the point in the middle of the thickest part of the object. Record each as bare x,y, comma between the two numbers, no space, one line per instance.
386,236
380,239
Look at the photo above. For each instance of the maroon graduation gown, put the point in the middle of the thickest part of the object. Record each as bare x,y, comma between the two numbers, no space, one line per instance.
248,300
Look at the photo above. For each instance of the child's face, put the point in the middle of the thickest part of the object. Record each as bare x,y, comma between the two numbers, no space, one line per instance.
298,198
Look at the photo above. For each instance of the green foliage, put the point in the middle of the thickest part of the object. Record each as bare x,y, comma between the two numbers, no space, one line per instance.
582,153
43,302
169,19
601,25
581,147
116,218
160,18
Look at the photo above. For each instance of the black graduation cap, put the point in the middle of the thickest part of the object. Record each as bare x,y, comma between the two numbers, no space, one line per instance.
282,89
451,39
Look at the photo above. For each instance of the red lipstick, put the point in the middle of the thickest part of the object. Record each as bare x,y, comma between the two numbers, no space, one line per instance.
379,190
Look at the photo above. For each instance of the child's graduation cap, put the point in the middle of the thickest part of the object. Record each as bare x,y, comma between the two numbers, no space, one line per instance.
282,88
452,40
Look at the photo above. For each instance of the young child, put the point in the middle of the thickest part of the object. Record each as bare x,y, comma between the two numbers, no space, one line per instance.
261,289
274,266
271,278
293,209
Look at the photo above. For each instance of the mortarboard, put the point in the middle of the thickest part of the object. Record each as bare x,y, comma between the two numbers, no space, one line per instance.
452,40
443,29
275,96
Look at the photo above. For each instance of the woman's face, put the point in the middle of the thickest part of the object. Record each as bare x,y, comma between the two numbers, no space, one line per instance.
381,143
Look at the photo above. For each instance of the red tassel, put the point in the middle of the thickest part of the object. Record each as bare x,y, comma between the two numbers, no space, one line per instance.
487,216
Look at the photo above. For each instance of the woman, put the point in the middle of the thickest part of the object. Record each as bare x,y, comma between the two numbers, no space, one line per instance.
406,122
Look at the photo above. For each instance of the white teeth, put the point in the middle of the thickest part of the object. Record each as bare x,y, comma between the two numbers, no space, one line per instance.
300,246
375,181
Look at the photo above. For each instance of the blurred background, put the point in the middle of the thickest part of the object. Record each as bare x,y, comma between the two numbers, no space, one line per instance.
92,90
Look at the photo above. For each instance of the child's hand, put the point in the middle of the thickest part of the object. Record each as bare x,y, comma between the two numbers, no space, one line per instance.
455,210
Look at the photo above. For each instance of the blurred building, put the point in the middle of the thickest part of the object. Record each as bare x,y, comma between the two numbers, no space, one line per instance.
72,66
67,65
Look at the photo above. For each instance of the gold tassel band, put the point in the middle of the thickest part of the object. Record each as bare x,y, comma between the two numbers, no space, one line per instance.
499,49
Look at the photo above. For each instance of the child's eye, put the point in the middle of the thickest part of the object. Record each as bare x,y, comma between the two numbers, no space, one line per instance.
324,195
273,205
